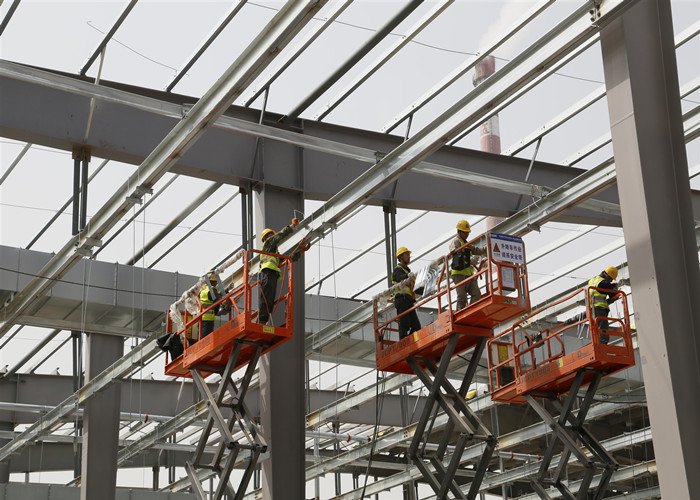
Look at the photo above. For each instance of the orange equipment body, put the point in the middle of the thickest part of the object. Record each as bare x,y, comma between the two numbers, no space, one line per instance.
515,371
503,300
241,326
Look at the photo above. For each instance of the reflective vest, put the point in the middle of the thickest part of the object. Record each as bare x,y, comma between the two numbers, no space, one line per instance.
598,299
461,259
206,302
270,262
404,289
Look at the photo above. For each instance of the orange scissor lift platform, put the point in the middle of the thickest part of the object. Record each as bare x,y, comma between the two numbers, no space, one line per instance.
525,367
239,324
506,296
239,341
428,352
515,351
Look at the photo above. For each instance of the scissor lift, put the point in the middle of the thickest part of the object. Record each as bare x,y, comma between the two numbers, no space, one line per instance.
531,361
238,341
428,352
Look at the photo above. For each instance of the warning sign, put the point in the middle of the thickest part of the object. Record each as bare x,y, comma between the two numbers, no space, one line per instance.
506,248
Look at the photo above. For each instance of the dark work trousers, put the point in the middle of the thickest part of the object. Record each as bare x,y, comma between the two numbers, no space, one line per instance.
207,328
408,323
599,312
268,294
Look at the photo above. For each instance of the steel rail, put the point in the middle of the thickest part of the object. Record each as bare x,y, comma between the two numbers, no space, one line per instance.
108,36
15,162
373,41
249,64
682,38
382,59
213,35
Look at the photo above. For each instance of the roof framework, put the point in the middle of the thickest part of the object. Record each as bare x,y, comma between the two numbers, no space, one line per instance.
334,342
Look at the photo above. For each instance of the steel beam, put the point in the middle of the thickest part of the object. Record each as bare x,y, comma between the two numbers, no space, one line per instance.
252,61
647,133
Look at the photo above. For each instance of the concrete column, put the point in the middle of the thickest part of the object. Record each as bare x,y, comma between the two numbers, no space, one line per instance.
282,370
652,173
101,422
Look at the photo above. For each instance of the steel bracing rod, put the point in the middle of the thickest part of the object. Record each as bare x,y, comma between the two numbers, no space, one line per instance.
108,36
290,56
382,59
63,208
364,251
138,212
228,17
184,213
576,30
193,230
122,367
375,39
15,162
466,66
8,15
252,61
687,34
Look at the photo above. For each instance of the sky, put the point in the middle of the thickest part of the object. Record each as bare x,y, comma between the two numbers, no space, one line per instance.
159,36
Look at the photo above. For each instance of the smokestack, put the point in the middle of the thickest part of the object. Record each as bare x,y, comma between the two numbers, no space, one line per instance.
489,130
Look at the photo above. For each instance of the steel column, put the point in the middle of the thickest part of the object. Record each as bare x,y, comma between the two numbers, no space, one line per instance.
641,77
282,371
101,422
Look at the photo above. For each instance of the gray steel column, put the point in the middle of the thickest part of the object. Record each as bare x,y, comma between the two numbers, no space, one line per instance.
282,370
652,170
101,422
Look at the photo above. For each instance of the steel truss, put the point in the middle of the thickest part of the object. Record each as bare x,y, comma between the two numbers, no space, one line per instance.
222,463
460,417
568,428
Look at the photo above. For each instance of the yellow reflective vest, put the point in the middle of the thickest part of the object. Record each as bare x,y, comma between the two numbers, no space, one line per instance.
598,299
205,302
461,261
401,273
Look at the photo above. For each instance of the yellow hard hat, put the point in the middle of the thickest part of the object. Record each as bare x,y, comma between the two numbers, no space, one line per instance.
464,226
611,271
401,251
266,232
212,276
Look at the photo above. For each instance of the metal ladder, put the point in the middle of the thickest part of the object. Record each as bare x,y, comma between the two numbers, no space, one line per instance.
229,449
441,393
569,430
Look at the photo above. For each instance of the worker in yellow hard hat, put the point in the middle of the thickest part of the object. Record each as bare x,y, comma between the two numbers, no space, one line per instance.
404,297
270,270
207,296
461,266
601,298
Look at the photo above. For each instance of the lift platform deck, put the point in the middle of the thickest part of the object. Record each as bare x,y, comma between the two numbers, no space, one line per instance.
237,325
504,277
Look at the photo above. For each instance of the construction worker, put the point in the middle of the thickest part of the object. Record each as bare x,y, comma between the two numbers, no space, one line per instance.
601,299
207,296
404,297
461,266
270,270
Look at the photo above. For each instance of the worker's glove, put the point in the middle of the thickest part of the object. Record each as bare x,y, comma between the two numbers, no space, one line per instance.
479,250
295,222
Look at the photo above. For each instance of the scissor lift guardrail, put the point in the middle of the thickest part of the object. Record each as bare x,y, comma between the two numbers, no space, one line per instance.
428,352
525,366
239,340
